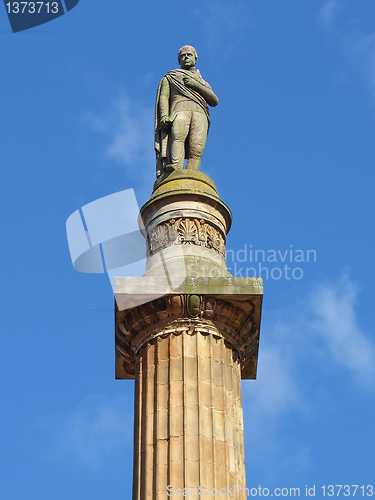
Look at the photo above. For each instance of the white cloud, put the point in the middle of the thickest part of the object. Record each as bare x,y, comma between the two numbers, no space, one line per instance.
337,327
270,402
361,51
324,331
132,138
300,349
328,13
358,47
223,23
98,428
276,389
128,125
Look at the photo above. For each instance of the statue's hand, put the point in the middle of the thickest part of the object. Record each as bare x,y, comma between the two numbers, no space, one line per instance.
165,122
190,82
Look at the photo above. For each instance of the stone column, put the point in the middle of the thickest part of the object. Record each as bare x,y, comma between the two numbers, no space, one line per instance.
187,332
188,415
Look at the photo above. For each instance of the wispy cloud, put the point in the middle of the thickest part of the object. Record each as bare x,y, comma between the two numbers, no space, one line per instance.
272,400
361,51
223,22
328,13
320,335
336,326
128,128
276,389
326,322
93,432
358,46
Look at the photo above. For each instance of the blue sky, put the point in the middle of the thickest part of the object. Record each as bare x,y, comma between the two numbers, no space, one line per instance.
292,152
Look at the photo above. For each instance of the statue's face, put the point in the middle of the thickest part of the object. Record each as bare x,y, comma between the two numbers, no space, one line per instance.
187,58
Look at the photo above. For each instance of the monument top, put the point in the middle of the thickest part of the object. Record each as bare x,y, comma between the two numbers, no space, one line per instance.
182,117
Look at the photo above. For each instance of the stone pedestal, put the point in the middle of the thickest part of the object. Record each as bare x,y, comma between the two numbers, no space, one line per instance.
186,224
187,332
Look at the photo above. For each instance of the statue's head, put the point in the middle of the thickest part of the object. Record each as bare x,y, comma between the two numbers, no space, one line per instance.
187,56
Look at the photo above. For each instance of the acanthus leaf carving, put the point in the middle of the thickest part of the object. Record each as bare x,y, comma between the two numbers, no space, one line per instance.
185,231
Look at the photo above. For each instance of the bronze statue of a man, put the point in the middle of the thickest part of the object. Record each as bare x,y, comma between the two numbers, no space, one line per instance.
182,118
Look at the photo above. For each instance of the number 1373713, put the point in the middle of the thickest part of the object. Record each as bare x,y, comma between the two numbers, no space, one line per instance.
347,490
32,7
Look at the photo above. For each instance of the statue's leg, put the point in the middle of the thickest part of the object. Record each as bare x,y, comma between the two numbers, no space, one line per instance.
197,140
179,132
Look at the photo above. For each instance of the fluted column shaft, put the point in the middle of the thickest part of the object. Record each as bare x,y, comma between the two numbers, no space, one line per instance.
188,415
